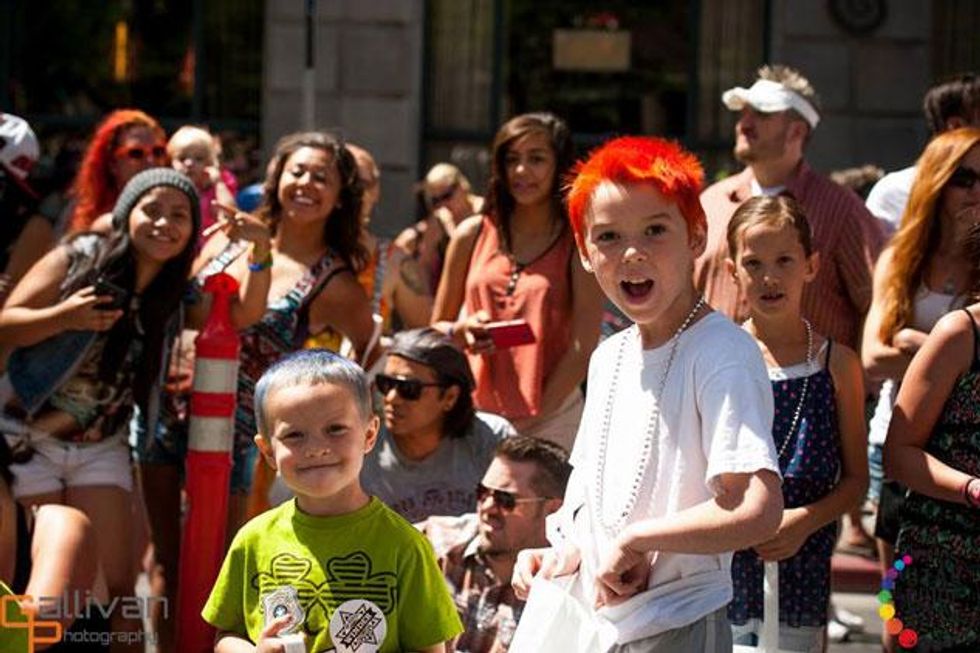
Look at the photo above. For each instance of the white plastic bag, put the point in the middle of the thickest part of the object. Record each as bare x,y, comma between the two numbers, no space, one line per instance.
554,621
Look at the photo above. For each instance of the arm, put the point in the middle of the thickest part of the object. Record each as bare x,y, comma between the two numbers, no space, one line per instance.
410,294
927,385
746,510
34,313
886,360
798,523
249,305
343,305
452,289
570,371
35,240
62,555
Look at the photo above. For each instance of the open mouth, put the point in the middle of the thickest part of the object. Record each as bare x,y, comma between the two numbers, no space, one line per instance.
772,296
636,290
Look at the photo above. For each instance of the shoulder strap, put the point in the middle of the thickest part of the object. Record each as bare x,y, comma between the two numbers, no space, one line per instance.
976,339
826,362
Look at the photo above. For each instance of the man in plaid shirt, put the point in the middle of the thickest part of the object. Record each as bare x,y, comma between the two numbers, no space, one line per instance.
524,483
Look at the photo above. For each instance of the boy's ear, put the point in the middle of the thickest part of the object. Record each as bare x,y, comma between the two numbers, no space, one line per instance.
586,263
266,450
371,436
698,237
812,266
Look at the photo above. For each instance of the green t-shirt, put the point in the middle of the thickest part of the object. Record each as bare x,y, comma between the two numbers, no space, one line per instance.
371,558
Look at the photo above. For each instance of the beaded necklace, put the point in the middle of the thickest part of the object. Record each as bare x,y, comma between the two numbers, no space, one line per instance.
649,441
806,385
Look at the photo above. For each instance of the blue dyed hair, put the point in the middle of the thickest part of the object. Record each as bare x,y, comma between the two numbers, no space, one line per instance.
311,367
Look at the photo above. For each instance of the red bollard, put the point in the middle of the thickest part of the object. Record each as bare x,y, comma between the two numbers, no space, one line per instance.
208,469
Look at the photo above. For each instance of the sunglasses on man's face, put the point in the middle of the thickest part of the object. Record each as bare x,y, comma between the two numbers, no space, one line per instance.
410,389
504,499
964,178
142,152
443,197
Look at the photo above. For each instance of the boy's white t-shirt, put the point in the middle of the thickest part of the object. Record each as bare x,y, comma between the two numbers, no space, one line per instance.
716,418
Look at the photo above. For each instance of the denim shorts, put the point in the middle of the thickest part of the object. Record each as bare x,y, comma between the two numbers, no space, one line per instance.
57,465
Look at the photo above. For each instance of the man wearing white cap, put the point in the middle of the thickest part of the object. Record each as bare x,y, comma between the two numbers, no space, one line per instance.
25,235
777,116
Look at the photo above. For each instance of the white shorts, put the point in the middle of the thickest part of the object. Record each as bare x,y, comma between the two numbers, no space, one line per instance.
57,465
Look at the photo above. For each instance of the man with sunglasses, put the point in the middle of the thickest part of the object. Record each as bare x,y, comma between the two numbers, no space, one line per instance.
523,485
433,445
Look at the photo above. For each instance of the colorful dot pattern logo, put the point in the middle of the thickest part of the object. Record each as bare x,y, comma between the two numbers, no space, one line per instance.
907,637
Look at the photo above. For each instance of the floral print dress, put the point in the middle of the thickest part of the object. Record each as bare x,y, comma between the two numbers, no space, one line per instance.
938,594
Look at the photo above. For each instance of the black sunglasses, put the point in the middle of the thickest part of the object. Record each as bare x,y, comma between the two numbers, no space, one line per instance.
410,389
964,178
506,500
444,196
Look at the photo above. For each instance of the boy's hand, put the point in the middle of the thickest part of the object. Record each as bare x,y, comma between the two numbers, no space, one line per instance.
269,641
622,573
548,562
791,535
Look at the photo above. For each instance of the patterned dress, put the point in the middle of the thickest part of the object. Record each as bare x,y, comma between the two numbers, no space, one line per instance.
810,464
938,594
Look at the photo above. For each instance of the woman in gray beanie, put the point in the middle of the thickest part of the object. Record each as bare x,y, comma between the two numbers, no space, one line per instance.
89,325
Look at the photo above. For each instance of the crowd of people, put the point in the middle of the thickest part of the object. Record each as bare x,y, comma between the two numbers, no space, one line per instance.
788,357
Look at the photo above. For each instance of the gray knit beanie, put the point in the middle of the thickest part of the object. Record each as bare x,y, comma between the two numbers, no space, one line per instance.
147,180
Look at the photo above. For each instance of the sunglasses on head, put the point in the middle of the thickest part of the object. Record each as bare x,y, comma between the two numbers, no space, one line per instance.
504,499
142,152
410,389
964,178
444,196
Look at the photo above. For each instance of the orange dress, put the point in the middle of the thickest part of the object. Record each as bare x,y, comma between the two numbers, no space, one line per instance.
510,381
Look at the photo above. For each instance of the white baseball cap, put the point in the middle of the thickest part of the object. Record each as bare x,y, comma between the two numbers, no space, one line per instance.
769,97
19,150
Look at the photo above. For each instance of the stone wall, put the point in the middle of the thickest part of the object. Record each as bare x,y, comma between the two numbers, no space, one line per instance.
368,86
871,86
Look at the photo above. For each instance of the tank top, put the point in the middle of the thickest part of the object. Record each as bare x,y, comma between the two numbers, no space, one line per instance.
927,308
509,382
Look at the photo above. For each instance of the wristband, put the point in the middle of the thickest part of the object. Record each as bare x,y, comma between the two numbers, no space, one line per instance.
258,266
971,492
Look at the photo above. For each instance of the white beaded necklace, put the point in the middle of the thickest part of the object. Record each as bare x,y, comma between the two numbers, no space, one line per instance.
806,384
649,441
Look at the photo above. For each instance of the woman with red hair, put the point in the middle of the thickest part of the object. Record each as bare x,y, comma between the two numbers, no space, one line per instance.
127,141
517,261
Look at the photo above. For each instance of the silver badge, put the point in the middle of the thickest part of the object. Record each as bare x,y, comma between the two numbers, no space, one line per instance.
284,601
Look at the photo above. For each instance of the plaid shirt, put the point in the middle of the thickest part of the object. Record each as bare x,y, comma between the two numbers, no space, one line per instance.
487,606
847,237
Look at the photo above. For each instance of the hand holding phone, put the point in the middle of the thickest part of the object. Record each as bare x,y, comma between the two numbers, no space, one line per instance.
103,288
511,333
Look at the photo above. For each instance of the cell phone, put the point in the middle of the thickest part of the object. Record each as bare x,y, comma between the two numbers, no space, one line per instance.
119,295
511,333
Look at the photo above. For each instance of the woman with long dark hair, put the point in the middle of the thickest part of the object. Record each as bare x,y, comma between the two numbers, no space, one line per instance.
517,261
91,323
311,204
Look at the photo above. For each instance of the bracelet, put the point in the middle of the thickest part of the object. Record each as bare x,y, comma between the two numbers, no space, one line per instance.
972,497
264,264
